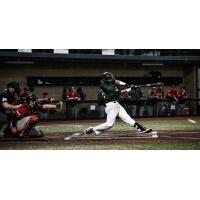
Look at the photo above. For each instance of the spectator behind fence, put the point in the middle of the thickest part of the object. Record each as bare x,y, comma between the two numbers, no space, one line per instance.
151,103
181,103
64,93
160,104
125,97
172,99
81,93
134,96
72,97
23,95
137,96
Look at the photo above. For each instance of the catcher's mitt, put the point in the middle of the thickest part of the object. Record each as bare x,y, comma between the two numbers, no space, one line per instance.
59,106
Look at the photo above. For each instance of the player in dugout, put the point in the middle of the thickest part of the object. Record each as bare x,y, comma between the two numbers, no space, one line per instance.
113,109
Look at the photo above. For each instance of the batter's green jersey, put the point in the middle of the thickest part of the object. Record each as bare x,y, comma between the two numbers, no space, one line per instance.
111,91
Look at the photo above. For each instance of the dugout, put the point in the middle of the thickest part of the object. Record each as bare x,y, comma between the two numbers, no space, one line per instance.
48,71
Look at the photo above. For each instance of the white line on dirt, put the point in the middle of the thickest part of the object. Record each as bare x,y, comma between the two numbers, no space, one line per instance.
107,138
173,137
59,125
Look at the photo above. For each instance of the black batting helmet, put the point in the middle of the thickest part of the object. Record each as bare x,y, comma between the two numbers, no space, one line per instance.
108,77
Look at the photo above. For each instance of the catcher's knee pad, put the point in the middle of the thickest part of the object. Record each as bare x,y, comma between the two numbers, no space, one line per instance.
34,118
33,121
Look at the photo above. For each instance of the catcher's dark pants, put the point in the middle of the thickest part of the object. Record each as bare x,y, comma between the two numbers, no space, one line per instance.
3,120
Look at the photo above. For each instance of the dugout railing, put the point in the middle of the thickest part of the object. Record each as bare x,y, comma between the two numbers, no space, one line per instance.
93,109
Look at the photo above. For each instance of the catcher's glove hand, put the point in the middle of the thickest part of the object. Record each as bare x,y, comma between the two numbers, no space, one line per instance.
51,99
59,106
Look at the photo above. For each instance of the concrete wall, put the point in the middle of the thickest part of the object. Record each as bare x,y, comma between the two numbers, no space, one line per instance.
190,84
21,72
190,80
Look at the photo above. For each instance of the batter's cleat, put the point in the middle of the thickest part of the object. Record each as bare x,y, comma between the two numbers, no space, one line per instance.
88,131
146,130
149,132
141,128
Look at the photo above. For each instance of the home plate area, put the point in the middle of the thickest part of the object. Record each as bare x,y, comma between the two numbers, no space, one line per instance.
123,136
160,135
111,136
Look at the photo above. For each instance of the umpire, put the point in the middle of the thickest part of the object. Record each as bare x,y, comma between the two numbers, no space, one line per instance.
7,99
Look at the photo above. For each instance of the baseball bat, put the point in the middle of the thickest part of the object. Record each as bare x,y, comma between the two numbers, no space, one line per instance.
149,85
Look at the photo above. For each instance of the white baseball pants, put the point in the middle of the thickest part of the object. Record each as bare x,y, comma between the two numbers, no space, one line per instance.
113,109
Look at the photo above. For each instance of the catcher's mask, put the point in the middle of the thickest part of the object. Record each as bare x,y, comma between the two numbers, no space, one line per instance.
31,98
108,77
15,86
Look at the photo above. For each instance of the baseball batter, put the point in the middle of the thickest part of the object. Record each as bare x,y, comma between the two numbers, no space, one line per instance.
113,109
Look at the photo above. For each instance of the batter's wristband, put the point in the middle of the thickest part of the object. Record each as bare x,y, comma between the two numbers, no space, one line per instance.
122,83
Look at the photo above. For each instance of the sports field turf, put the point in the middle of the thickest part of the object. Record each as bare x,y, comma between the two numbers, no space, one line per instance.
59,129
167,124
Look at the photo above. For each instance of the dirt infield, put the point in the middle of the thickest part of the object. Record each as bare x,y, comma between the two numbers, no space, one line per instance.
164,137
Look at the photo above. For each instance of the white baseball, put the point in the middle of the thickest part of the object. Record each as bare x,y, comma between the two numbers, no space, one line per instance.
191,121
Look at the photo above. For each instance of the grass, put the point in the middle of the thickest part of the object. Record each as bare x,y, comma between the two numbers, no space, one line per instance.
121,126
176,146
170,124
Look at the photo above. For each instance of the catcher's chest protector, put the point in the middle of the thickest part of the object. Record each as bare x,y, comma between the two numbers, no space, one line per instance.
22,112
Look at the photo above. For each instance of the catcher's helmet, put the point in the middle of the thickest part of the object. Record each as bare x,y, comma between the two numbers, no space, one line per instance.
31,97
108,77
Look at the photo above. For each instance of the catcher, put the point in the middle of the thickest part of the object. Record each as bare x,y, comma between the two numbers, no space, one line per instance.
111,93
25,118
